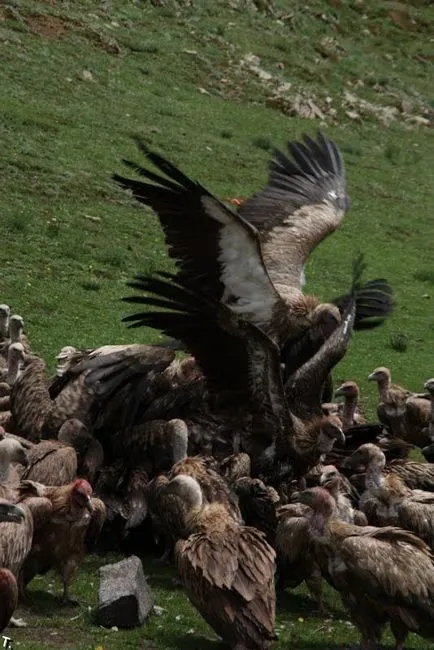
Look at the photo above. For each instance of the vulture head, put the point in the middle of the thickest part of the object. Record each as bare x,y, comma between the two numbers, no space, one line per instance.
330,478
11,451
364,456
81,494
10,512
348,389
76,434
16,326
63,358
4,320
429,386
16,357
330,432
316,498
381,375
324,320
177,432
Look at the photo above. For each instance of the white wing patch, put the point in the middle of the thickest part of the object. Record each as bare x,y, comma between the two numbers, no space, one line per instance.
243,275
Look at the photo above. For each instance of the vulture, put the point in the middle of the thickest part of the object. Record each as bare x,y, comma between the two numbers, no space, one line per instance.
388,501
214,487
11,451
253,260
428,432
59,542
50,462
349,412
382,574
296,560
405,414
278,442
227,570
332,481
4,322
89,451
258,503
8,584
109,388
15,363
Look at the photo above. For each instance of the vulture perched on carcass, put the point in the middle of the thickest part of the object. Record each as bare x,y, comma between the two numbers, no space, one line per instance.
59,542
226,568
382,574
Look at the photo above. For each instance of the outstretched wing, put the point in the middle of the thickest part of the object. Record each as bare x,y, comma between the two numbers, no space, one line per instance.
217,252
233,354
304,202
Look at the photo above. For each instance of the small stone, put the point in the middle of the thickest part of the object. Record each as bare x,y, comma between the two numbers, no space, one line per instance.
87,75
125,600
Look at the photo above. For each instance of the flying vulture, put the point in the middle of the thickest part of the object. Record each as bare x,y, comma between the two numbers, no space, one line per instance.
253,260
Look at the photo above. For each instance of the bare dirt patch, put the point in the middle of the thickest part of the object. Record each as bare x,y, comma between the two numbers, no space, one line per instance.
47,26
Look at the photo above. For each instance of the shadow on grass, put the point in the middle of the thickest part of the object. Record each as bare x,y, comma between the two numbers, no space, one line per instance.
190,642
296,603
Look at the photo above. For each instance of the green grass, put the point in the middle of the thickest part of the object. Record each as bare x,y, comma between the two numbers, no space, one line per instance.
79,78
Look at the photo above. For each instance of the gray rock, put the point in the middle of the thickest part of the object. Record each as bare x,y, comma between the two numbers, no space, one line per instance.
125,599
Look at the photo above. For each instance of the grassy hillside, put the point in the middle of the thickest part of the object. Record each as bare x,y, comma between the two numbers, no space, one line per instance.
212,86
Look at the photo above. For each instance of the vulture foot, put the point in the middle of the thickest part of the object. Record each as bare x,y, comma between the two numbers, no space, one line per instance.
17,622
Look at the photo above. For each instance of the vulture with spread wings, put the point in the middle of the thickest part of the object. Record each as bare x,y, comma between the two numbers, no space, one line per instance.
253,260
241,365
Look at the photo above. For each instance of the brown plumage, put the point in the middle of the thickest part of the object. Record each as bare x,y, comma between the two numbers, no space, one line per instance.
4,322
387,500
332,481
92,384
296,560
258,503
50,462
155,445
247,394
31,406
235,466
228,573
404,413
60,542
89,450
381,574
272,235
214,487
8,582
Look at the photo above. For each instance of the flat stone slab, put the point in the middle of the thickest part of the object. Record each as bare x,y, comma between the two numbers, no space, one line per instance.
125,599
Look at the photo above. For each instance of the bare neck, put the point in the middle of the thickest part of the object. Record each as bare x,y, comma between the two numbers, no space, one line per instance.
348,412
383,388
374,478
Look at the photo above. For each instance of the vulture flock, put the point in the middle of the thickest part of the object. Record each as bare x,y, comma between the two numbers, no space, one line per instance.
223,447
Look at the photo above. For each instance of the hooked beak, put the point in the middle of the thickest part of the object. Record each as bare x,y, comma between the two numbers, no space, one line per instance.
338,392
11,513
372,377
88,505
